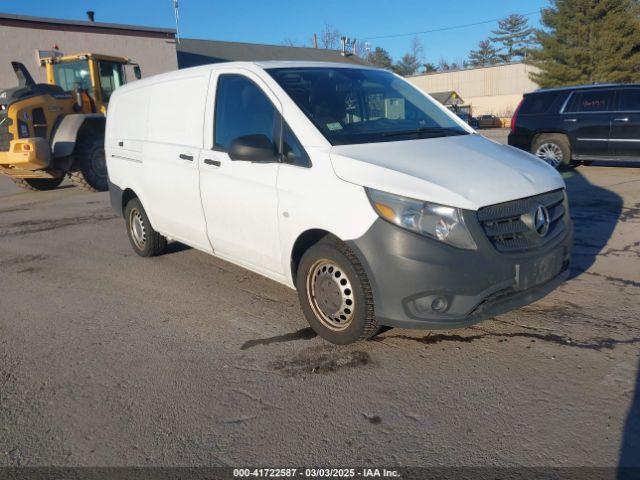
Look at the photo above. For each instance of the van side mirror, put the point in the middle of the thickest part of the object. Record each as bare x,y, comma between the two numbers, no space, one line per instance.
253,148
137,72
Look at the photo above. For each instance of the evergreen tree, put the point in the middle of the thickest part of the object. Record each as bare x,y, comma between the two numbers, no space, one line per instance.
430,68
380,58
485,55
407,65
587,41
514,36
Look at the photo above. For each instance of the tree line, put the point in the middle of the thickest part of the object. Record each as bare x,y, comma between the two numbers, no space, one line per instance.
581,41
511,41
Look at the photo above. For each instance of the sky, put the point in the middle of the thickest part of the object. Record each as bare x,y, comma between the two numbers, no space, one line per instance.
275,21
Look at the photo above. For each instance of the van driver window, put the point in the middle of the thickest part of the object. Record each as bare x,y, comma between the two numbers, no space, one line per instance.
242,109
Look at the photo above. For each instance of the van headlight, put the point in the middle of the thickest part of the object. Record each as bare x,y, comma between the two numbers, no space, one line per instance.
429,219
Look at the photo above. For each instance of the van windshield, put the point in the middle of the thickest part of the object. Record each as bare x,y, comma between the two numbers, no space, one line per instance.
355,105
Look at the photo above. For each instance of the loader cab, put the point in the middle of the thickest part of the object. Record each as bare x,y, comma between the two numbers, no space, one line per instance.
94,77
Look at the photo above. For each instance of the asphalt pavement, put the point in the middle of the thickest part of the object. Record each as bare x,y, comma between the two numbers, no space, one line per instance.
110,359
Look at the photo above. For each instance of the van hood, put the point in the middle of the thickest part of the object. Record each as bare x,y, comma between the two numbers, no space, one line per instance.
467,171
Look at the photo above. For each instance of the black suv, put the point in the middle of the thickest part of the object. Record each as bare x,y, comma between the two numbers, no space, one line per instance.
579,124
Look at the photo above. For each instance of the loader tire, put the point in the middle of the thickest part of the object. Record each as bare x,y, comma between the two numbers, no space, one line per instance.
89,170
40,184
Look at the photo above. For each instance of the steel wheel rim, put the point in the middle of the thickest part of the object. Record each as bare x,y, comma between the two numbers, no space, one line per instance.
137,228
330,295
550,153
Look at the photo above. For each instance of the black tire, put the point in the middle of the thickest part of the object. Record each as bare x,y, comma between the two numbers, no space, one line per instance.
89,170
40,184
337,313
145,242
557,142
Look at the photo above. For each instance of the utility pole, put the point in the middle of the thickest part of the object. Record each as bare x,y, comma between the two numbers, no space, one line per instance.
177,15
315,40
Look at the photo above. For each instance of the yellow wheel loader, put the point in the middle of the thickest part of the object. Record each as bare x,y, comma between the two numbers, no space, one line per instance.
54,129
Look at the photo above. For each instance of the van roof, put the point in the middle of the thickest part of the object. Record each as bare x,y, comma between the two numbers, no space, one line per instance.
263,65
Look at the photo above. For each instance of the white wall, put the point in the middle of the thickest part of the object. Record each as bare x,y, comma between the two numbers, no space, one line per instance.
496,90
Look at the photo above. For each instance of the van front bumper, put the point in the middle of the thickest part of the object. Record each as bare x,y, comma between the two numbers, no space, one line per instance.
411,274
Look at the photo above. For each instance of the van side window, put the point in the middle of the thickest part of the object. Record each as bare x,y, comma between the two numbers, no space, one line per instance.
241,109
292,149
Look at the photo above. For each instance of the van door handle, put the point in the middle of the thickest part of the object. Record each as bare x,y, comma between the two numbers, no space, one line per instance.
572,120
184,156
625,119
121,143
215,163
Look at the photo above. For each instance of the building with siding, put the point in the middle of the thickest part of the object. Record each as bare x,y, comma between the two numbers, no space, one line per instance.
493,90
25,39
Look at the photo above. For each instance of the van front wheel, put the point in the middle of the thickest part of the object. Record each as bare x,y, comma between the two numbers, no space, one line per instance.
335,293
145,241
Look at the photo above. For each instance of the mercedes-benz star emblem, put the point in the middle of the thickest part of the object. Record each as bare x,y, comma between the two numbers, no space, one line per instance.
541,220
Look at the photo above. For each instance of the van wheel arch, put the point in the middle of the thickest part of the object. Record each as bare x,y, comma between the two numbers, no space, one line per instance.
304,242
127,195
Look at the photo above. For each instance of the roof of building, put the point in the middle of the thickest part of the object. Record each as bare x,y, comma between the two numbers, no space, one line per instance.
63,24
441,72
193,52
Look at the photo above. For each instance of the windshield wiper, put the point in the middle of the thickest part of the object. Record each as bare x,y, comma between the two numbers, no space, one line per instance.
421,130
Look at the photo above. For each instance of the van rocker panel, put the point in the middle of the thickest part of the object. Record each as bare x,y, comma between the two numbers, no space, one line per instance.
408,271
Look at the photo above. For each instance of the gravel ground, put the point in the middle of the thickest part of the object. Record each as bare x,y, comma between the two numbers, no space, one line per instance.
110,359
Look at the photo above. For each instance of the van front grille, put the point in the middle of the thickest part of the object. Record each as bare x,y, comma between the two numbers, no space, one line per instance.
5,136
510,225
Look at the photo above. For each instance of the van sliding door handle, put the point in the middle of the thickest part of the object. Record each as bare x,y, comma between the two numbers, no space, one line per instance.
215,163
625,119
121,143
184,156
572,120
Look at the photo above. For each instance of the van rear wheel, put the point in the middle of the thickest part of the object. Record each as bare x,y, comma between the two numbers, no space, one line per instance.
335,294
40,184
145,241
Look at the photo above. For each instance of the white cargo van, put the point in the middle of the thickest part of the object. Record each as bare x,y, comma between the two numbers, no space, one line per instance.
345,182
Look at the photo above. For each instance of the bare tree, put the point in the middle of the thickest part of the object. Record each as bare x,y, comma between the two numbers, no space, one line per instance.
443,65
361,48
416,49
329,37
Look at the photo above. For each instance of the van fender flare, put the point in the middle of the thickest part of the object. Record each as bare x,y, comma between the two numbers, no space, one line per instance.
66,132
